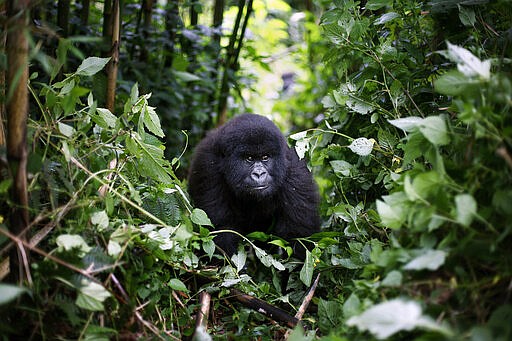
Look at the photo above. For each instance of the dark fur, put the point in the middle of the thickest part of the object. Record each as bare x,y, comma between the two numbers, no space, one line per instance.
220,183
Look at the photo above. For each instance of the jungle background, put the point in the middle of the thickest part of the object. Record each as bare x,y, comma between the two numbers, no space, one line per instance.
401,108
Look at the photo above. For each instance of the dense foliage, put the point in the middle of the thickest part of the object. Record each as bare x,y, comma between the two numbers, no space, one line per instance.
406,108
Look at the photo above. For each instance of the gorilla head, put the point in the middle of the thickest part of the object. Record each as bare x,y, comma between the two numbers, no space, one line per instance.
254,156
246,178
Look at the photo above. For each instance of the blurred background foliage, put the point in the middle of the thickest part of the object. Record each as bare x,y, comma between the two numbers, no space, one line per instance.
402,109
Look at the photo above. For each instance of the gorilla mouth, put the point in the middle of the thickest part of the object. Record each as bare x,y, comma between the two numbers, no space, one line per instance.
259,188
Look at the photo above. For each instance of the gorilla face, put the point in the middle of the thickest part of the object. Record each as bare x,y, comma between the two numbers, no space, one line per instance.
252,175
254,162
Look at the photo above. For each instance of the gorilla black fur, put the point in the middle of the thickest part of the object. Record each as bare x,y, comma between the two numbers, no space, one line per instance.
246,178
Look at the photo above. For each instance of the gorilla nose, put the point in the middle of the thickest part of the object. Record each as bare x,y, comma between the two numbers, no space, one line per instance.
259,175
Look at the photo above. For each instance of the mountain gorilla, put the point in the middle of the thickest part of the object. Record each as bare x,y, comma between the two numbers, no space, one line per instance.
246,178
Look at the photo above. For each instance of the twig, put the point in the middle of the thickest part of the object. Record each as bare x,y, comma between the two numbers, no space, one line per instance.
502,151
305,304
264,308
204,309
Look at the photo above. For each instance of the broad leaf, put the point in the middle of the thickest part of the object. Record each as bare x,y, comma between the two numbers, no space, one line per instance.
388,318
92,65
430,260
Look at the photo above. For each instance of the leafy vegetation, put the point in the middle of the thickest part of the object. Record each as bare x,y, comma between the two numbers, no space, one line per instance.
405,109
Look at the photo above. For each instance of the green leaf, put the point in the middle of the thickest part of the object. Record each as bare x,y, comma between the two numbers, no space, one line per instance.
91,66
392,279
341,167
65,129
434,130
407,124
200,217
306,273
239,259
9,292
352,306
113,248
466,207
330,314
386,17
467,16
452,83
209,247
467,63
105,119
178,285
92,295
393,210
88,303
362,146
430,260
72,241
100,219
378,4
388,318
186,76
152,122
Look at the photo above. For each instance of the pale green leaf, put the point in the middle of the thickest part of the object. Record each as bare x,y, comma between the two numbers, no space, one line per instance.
91,66
430,260
200,217
362,146
186,76
407,124
152,122
113,248
386,17
392,279
72,241
107,119
466,207
468,63
239,259
378,4
452,83
434,129
306,273
9,292
65,129
100,219
341,167
388,318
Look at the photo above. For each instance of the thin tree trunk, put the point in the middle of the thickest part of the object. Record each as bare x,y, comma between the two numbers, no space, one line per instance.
17,111
63,16
84,13
194,16
147,8
107,20
3,36
114,61
172,23
232,58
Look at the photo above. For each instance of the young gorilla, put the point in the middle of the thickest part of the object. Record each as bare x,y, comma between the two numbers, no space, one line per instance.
246,178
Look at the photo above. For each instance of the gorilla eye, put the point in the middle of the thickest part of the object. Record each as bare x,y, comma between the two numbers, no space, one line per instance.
264,158
249,159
